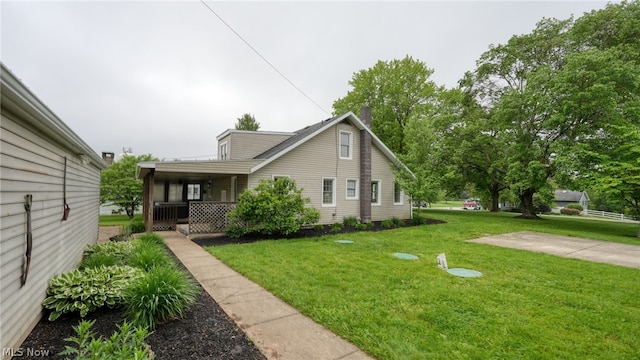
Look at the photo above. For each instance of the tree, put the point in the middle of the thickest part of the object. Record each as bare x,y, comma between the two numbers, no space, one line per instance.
469,147
273,207
247,122
119,185
395,91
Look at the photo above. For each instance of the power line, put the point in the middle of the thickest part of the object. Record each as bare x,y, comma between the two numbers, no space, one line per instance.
263,58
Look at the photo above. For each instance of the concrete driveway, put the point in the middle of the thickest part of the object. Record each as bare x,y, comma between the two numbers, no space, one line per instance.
570,247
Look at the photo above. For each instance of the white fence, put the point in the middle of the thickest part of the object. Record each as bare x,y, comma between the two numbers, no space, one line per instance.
609,215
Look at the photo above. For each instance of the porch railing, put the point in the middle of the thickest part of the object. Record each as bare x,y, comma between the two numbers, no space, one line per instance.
165,217
209,216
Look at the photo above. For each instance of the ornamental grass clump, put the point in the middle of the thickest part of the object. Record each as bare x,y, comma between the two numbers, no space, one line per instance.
152,238
148,255
98,260
163,294
87,290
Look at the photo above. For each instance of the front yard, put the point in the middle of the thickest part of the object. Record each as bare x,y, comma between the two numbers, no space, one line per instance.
526,305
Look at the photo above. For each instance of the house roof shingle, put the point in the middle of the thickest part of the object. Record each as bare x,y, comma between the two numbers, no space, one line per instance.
568,195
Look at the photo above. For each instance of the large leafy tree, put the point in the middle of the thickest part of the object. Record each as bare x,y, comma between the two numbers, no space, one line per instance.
559,97
247,122
119,185
396,91
609,61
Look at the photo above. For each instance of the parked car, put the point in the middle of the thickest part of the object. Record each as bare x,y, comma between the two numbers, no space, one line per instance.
471,205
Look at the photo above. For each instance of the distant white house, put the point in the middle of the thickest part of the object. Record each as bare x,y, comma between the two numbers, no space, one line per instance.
566,197
49,197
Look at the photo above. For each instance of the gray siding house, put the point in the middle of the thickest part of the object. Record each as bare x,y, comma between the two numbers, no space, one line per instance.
566,197
50,186
339,163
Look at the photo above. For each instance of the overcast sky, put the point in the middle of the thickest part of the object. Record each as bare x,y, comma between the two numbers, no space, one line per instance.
167,77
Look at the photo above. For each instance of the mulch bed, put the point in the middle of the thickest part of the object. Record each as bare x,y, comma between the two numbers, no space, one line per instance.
206,332
302,233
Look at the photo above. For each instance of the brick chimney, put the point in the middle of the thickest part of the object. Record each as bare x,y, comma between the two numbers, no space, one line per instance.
365,166
108,157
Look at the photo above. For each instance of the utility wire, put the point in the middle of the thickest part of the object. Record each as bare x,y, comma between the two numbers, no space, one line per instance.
263,58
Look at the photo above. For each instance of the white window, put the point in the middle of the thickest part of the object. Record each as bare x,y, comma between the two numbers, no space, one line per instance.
352,189
158,191
398,194
175,191
375,192
346,145
193,192
223,155
328,192
276,176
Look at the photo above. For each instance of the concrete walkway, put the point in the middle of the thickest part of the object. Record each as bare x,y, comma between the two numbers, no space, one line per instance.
279,330
571,247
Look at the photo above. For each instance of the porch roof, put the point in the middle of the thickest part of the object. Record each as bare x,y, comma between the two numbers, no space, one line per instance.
195,169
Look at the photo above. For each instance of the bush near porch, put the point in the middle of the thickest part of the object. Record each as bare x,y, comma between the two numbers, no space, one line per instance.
273,207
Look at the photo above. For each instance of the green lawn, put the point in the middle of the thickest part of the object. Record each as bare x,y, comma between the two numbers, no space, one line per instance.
526,305
446,205
112,220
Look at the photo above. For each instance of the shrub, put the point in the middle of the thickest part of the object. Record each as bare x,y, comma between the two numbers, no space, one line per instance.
318,227
126,343
86,290
235,231
369,225
336,227
273,207
350,221
148,255
163,294
152,238
397,222
568,211
136,225
574,206
361,227
387,224
418,219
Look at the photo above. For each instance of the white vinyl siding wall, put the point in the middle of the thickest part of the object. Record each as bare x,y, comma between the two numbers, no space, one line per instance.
31,163
319,158
382,169
247,144
316,159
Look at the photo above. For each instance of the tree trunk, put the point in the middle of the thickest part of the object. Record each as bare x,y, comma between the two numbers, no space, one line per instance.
526,204
495,199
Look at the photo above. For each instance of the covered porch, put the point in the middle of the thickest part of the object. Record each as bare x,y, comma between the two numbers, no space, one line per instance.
195,193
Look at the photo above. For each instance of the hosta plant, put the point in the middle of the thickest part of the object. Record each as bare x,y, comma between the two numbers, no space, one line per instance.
118,249
89,289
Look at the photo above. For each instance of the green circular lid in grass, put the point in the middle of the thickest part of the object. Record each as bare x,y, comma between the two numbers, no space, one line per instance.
405,256
464,272
344,241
